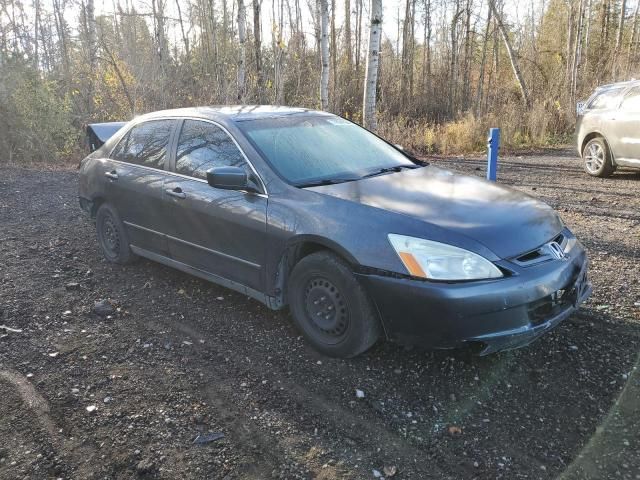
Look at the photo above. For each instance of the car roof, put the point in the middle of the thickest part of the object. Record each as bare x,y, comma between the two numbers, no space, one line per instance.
628,83
232,113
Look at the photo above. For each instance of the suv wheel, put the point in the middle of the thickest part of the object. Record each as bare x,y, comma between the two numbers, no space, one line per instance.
597,158
330,307
112,236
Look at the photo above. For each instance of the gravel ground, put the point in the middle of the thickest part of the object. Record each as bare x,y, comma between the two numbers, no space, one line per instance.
125,389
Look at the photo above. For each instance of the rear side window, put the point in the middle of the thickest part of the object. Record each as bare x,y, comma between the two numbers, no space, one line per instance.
631,102
203,145
145,144
606,99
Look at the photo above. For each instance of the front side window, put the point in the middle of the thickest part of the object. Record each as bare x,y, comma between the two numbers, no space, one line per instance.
605,100
631,102
310,149
202,146
145,144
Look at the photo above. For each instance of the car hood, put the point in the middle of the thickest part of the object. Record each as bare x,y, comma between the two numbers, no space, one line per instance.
504,220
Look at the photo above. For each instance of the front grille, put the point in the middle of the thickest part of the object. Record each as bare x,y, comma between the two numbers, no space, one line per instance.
542,254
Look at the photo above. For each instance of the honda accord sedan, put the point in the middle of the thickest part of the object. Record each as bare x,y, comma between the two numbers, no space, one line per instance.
306,210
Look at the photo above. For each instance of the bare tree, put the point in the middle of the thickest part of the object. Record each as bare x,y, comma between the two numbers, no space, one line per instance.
512,56
633,42
92,53
371,79
347,33
242,39
324,55
257,45
616,53
478,101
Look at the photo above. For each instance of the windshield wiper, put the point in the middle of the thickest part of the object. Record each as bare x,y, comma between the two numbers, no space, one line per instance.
327,181
384,170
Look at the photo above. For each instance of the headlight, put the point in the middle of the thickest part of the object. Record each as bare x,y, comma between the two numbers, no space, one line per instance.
439,261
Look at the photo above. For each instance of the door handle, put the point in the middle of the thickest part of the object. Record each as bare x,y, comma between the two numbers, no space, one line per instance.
111,175
176,192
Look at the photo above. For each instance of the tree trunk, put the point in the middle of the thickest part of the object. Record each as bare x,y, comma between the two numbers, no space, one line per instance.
623,9
257,44
334,57
91,46
358,45
324,54
634,39
477,106
242,38
512,55
347,33
453,62
587,35
467,58
426,62
577,53
185,38
616,54
371,78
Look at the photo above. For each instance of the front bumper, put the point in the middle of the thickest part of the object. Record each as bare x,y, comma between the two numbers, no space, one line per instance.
496,314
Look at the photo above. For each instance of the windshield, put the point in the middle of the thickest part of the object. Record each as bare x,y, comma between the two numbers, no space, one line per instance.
317,149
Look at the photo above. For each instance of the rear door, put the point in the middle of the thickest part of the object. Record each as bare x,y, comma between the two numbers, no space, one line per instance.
627,127
136,179
221,232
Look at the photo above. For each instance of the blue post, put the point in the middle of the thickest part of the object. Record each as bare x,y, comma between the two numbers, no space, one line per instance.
493,144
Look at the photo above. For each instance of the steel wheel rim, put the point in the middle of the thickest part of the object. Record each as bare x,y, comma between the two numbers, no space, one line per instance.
594,157
326,310
110,236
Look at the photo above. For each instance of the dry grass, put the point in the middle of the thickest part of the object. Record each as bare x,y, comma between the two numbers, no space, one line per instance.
540,126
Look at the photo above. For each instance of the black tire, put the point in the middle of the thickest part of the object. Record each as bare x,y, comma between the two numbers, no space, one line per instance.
112,236
596,156
330,307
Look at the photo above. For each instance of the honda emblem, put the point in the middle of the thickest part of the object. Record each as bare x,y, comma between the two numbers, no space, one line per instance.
556,251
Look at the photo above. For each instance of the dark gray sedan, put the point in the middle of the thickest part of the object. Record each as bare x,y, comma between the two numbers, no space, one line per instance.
304,209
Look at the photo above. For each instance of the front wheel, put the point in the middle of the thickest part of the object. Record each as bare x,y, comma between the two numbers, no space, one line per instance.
597,158
330,307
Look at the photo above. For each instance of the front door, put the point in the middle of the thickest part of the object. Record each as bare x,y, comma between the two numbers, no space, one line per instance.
626,127
221,232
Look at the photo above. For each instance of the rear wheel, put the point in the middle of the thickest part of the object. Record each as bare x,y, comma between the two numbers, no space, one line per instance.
112,236
330,307
597,158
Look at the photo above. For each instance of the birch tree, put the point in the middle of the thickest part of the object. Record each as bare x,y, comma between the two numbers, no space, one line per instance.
373,57
242,39
257,45
324,54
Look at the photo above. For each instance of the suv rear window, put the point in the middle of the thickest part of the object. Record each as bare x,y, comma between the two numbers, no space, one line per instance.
145,144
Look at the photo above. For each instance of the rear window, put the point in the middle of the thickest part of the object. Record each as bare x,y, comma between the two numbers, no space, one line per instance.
145,144
607,99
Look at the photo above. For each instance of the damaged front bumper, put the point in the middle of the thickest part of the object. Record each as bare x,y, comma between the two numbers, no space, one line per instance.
494,314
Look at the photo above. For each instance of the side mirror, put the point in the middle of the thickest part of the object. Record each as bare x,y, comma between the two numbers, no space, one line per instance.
399,147
229,178
580,108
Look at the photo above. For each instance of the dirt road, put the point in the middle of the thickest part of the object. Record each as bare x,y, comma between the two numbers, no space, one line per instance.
124,394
